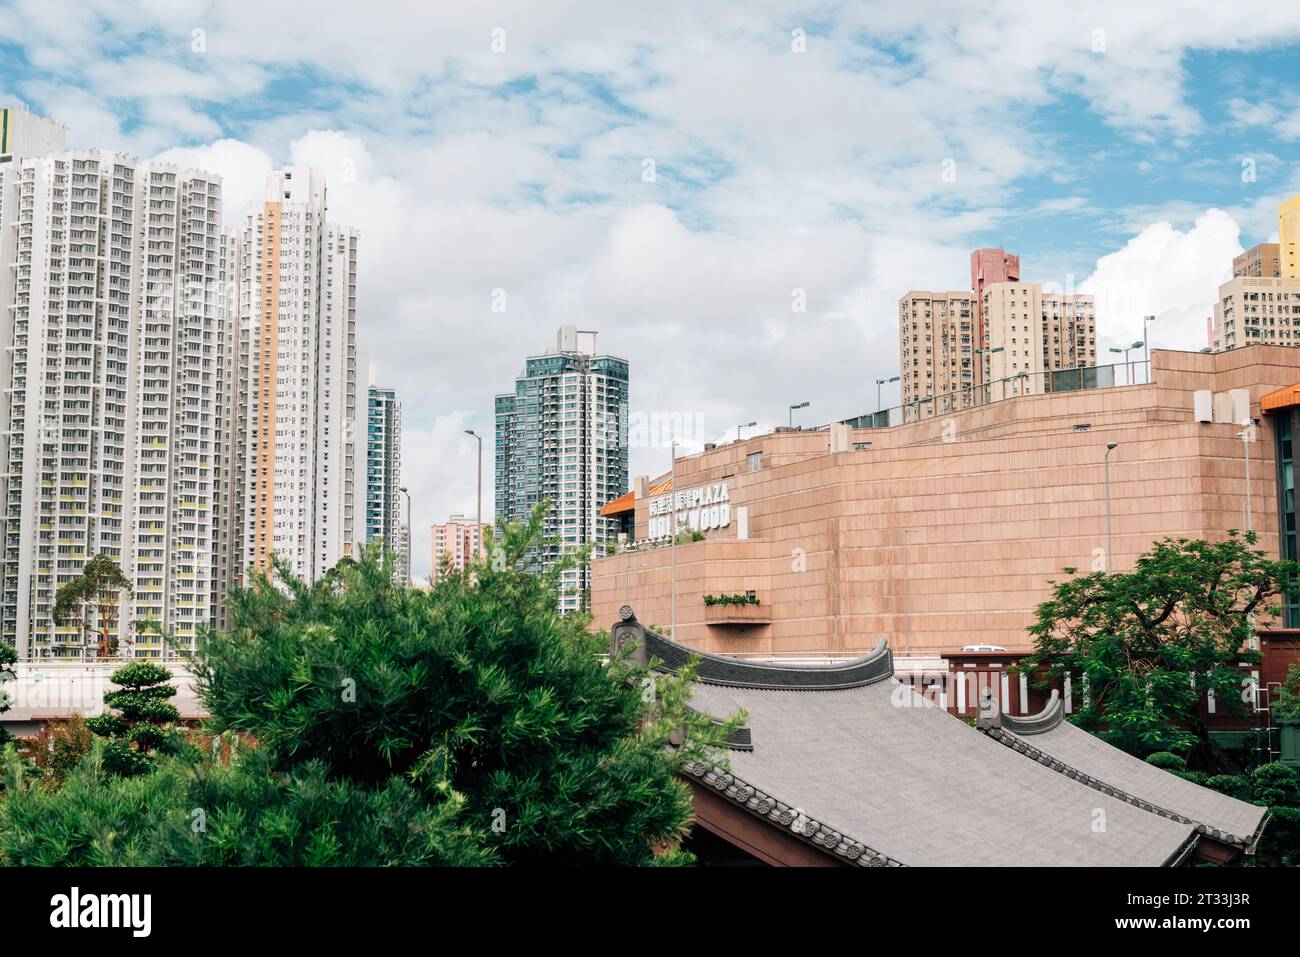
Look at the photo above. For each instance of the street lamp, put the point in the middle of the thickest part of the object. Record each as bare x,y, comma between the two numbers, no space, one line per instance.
1146,340
409,534
745,426
907,596
478,517
1244,435
982,352
1110,550
801,405
672,530
1128,366
879,383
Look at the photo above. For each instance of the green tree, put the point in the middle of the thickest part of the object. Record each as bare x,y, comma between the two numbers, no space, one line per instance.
468,724
141,720
1145,646
91,601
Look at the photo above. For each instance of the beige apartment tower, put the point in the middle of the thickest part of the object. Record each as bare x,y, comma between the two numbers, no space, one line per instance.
937,352
1254,311
1032,334
1288,231
1261,261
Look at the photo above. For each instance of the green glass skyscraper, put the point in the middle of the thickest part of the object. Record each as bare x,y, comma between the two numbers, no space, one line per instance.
561,437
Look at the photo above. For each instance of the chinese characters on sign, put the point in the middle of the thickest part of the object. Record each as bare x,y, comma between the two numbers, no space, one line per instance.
696,509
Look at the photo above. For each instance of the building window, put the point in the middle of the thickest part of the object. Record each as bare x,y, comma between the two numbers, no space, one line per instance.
755,460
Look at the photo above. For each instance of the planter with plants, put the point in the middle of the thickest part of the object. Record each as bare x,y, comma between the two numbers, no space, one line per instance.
738,609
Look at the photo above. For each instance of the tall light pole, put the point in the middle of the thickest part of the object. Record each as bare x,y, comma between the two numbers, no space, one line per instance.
746,425
801,405
1146,343
983,353
879,383
410,534
478,517
1110,549
907,598
1244,435
672,530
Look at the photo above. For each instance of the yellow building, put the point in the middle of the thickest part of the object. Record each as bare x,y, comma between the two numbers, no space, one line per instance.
1288,231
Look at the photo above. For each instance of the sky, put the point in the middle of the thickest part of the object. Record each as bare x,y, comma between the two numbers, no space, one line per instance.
734,194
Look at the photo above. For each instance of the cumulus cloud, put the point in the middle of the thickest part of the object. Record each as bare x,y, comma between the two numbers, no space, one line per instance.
470,168
1170,273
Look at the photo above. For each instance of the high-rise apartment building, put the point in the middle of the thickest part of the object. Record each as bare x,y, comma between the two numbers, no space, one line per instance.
1256,310
1032,334
562,438
26,134
460,541
384,475
988,266
297,300
1288,231
1259,262
111,307
937,343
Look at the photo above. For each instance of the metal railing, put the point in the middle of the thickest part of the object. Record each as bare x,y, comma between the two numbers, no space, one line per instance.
1083,378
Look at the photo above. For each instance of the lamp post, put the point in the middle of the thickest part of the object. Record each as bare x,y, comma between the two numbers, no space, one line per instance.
982,353
907,597
672,530
409,535
801,405
1110,550
1244,435
478,517
1128,366
1146,343
744,426
879,383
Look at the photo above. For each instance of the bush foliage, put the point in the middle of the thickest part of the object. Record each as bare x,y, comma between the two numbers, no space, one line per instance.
467,725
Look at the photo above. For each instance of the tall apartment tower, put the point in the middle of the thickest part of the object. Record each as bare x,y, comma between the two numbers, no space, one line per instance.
384,476
26,134
937,342
111,305
1032,334
460,540
297,300
1288,231
230,473
988,266
562,437
1262,261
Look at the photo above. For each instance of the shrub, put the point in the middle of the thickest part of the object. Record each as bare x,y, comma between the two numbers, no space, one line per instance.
1167,761
1275,785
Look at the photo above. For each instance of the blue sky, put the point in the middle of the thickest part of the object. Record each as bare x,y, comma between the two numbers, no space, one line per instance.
794,146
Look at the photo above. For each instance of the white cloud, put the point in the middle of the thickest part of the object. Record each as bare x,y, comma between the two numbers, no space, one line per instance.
1166,272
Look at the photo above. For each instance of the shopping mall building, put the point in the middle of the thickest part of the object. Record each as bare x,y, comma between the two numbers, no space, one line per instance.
948,531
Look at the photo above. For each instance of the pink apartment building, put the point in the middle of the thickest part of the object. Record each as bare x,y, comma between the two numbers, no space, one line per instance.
460,540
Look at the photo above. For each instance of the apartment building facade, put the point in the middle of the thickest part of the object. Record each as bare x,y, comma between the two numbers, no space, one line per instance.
1261,261
562,438
383,508
938,357
297,301
456,543
1256,310
1032,333
110,288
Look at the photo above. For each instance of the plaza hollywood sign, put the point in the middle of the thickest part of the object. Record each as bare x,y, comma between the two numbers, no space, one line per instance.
696,509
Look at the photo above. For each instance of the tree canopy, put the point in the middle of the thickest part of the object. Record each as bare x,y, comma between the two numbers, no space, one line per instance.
468,724
1144,647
